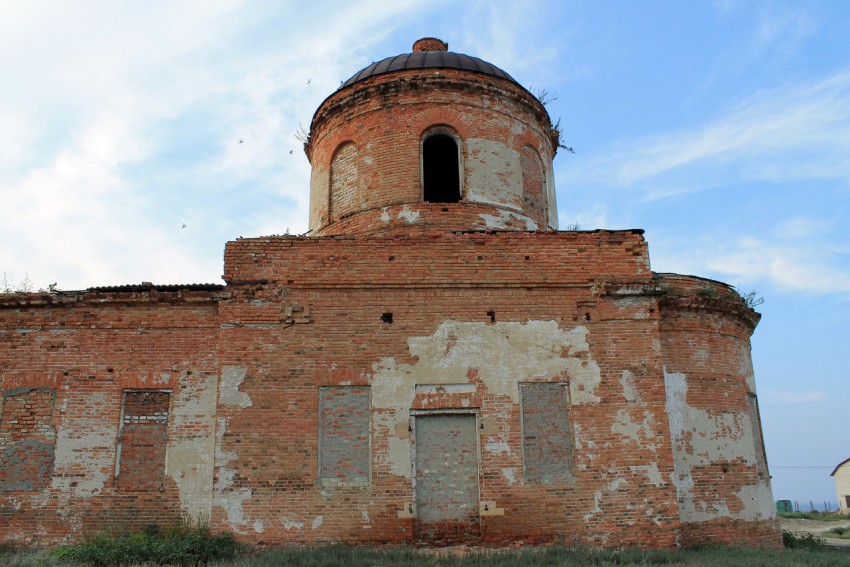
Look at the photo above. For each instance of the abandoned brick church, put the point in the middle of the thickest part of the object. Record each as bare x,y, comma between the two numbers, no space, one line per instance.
434,362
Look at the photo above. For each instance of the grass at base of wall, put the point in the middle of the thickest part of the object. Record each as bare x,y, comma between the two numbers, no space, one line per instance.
524,557
818,516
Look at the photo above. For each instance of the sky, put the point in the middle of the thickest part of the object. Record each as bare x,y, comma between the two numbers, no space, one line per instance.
722,128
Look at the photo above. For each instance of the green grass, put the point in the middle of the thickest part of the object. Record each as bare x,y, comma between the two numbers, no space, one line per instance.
181,544
841,533
819,516
815,556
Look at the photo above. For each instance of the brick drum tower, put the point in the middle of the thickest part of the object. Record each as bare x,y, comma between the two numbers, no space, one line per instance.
433,363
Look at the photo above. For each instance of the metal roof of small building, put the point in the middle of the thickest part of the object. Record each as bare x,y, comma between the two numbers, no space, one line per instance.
428,60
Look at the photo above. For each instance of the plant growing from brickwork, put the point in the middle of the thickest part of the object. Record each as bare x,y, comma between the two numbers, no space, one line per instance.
708,291
752,299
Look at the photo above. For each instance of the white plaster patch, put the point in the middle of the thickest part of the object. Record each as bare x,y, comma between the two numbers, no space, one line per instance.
699,439
259,527
599,497
493,171
84,462
409,215
291,525
226,497
510,475
231,378
498,445
191,447
630,392
638,432
504,219
317,522
385,215
499,355
652,473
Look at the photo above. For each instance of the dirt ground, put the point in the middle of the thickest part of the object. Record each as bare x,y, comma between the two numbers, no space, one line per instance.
816,528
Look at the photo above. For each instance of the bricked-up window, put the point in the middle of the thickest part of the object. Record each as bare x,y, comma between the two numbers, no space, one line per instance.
533,183
546,440
144,437
344,434
27,439
755,420
440,169
344,179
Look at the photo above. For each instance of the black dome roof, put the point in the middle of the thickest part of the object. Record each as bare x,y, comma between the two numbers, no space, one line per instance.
428,60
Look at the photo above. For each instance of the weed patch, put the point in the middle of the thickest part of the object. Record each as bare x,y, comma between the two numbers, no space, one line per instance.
181,544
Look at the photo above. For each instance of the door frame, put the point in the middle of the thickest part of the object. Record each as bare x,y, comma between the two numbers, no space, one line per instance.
414,413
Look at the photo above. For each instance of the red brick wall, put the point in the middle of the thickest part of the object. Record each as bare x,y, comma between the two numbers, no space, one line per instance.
386,116
725,494
143,440
348,284
474,315
27,437
86,349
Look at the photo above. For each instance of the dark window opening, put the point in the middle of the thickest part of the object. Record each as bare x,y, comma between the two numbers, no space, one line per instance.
440,169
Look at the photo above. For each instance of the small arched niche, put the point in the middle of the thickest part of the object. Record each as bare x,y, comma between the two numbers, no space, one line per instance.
440,167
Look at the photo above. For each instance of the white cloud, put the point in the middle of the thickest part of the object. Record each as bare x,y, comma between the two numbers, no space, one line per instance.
781,135
788,397
125,125
789,262
781,29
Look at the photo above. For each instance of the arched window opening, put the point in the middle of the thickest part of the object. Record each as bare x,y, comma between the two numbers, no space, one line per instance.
440,169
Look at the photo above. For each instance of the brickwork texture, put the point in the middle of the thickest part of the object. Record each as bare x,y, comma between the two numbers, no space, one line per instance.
409,372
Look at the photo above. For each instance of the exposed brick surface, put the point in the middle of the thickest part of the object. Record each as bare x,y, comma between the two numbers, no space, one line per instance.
572,395
143,440
27,437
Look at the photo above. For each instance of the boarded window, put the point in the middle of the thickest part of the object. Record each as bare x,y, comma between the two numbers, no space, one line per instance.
344,434
440,169
755,420
546,440
27,439
144,437
344,175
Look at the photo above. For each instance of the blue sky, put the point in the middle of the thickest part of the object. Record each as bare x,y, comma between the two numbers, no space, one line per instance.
722,128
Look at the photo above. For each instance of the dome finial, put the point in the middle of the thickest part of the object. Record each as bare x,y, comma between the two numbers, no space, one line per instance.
430,44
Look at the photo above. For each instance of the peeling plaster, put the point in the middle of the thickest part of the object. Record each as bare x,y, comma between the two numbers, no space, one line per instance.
498,445
638,432
699,439
652,473
84,462
503,220
191,448
407,214
317,522
493,172
630,392
499,356
599,497
231,378
510,475
226,497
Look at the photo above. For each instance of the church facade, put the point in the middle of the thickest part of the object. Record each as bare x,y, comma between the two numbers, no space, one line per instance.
432,363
